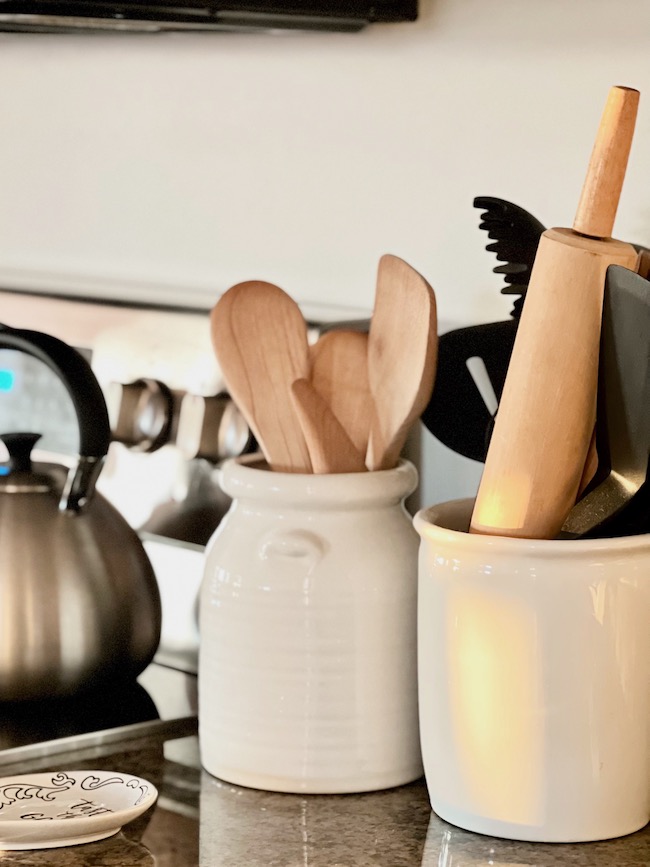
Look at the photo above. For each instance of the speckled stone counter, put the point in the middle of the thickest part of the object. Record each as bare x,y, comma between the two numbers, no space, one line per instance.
199,820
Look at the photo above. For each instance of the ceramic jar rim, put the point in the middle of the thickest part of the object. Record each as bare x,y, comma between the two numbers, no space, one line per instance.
250,477
426,524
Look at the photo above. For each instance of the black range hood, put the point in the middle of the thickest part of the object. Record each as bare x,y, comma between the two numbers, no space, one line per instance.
138,15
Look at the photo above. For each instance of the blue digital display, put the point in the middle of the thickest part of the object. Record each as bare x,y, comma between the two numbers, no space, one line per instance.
7,379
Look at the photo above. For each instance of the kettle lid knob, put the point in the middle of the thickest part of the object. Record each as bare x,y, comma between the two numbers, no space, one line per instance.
18,475
19,446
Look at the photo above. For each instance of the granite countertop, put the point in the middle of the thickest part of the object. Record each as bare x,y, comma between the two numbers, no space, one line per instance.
199,820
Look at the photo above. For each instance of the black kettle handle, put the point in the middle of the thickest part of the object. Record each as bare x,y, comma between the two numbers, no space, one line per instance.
77,375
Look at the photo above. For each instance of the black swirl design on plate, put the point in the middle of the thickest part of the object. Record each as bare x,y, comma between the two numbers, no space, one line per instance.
18,791
90,783
35,816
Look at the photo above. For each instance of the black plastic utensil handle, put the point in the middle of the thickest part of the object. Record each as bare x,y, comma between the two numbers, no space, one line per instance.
77,375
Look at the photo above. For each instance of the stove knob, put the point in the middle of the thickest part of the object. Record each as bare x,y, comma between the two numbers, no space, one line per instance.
212,428
140,413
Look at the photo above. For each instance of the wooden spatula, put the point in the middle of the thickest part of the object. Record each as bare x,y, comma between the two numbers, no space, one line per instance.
260,340
339,373
547,412
330,448
402,352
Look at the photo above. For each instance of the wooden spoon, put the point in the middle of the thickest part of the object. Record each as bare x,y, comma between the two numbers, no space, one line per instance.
260,340
330,448
339,373
402,354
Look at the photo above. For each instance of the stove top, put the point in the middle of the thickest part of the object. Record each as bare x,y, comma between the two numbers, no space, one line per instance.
162,699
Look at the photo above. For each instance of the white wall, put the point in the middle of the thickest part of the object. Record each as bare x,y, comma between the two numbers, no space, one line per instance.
195,161
177,165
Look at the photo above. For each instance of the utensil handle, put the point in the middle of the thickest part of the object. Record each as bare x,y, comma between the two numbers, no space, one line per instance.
602,187
330,448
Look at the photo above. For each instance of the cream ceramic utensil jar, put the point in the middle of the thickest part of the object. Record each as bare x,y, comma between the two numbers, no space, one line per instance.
534,675
307,659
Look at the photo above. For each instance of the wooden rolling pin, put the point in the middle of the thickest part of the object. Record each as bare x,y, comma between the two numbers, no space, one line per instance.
547,412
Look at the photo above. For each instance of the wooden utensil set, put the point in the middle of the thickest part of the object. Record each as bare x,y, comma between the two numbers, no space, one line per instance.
344,404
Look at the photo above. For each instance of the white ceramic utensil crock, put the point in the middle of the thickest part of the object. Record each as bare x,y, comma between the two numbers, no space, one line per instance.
534,680
307,656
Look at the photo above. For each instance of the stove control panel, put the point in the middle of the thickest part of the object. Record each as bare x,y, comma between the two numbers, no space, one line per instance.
141,413
212,427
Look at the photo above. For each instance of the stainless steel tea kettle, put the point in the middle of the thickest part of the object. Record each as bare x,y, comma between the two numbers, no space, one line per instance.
79,602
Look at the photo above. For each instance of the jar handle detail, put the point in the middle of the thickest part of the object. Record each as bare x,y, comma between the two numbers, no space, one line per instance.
292,545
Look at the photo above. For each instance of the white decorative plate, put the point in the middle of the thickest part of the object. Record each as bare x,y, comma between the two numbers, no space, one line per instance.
64,808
